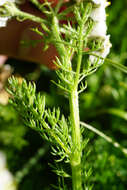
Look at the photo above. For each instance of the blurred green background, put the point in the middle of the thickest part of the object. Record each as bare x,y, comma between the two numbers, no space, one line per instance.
103,105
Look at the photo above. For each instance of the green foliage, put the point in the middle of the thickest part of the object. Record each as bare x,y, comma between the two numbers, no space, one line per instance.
64,135
12,130
48,123
104,101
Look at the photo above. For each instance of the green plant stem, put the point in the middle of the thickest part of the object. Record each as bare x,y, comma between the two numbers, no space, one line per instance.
24,16
56,34
59,46
74,109
28,166
107,138
13,11
115,64
76,138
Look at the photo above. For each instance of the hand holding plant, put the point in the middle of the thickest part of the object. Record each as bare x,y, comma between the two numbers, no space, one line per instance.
15,32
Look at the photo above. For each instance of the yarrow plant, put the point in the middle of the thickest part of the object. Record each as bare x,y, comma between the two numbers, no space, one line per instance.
82,44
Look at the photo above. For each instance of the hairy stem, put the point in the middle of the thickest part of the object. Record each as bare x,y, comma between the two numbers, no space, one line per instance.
76,137
74,109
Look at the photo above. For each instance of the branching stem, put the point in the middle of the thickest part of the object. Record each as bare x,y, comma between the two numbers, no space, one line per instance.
74,113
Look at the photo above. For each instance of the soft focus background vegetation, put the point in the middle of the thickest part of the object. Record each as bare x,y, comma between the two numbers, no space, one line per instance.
103,105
